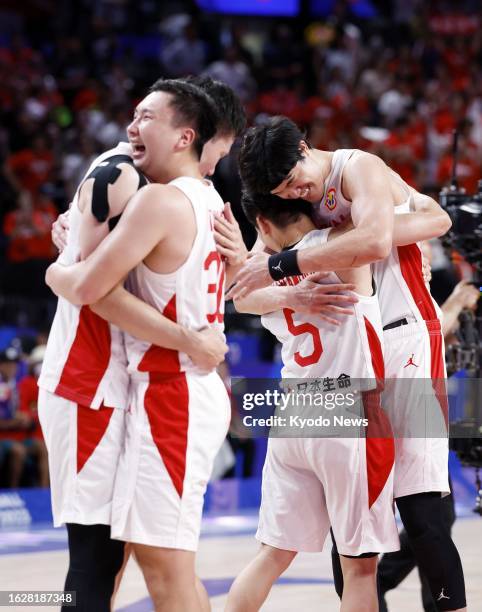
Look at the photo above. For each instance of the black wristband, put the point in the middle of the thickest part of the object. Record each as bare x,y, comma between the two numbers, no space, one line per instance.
283,264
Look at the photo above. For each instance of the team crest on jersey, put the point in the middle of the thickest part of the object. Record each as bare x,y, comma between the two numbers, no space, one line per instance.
330,200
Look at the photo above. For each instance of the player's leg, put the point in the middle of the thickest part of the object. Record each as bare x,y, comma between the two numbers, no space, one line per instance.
360,589
357,475
120,573
252,586
170,578
433,548
94,561
202,595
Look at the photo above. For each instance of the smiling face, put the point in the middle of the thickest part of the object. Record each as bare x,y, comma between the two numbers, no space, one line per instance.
155,134
214,150
303,181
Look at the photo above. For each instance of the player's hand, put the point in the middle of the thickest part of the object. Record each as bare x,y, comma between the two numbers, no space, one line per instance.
228,237
311,297
253,275
60,231
209,348
465,294
426,269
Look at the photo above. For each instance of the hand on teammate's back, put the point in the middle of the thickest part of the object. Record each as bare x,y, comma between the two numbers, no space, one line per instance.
229,239
209,348
311,297
60,231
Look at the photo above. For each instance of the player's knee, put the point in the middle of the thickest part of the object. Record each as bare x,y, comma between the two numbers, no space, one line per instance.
165,567
359,568
420,513
277,557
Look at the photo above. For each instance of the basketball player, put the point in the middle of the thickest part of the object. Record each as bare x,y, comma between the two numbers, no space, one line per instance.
351,184
311,483
178,415
85,367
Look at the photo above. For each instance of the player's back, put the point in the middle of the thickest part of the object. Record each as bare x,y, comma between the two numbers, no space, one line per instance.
311,347
85,359
192,296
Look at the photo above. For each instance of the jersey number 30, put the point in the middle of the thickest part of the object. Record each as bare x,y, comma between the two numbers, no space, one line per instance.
300,329
216,288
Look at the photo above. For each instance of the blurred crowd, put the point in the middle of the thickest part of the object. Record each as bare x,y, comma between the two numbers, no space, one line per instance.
396,83
23,455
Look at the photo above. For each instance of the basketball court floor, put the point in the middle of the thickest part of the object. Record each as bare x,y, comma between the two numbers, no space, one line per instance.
36,559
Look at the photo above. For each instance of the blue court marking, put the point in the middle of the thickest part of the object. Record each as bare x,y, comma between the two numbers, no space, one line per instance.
221,586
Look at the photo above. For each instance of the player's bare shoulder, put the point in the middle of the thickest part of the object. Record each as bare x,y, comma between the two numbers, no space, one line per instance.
362,171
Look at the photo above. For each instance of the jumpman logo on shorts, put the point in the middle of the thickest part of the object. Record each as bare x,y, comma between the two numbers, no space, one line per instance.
442,596
410,362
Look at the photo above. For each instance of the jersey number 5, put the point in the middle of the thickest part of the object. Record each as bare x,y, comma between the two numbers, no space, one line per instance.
217,288
299,330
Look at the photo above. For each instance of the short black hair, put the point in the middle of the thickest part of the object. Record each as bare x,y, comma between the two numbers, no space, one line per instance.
231,114
278,211
268,154
193,106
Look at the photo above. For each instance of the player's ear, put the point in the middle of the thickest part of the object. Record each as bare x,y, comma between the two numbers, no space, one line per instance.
187,137
263,225
304,148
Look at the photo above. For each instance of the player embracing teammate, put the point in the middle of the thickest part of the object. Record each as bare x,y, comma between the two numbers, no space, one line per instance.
389,218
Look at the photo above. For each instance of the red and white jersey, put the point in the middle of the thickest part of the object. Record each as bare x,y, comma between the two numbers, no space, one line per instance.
85,360
193,295
401,288
334,209
311,347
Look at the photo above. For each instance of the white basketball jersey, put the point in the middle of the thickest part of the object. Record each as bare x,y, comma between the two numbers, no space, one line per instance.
85,360
311,347
402,291
192,296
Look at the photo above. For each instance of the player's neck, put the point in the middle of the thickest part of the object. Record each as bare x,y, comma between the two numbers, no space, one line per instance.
323,159
297,231
180,167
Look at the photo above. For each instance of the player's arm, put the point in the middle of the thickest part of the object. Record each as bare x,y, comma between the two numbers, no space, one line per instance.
152,213
366,183
229,242
205,347
308,296
427,221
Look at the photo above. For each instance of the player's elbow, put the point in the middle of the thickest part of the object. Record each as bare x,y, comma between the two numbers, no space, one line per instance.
380,247
444,223
84,293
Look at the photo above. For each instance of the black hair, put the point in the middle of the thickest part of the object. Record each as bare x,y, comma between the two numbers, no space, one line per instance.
268,154
192,106
278,211
231,115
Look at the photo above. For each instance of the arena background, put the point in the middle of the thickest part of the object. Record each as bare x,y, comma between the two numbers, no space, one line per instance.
391,77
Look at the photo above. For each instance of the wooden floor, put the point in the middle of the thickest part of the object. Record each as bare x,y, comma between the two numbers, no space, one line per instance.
307,586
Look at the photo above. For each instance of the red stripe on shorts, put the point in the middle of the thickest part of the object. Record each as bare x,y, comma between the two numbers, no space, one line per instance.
88,359
380,448
167,407
410,258
437,367
91,427
157,358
